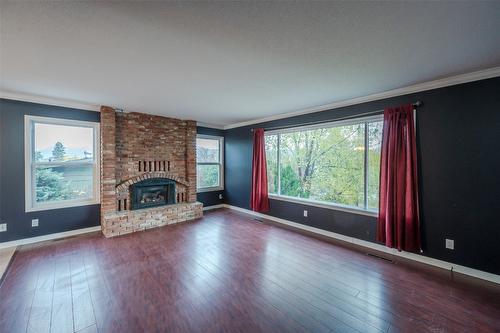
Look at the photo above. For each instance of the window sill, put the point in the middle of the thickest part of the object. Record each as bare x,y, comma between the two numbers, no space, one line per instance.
62,205
209,189
324,205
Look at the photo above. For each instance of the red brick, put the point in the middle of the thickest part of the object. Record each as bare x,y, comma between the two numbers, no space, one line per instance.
128,139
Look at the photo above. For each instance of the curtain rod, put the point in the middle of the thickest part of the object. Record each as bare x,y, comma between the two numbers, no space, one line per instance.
415,105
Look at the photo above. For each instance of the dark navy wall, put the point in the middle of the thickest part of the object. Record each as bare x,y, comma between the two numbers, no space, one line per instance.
458,135
12,175
210,198
458,131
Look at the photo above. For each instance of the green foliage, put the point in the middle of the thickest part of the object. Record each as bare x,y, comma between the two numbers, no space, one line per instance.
38,156
375,142
326,164
272,163
50,185
61,182
290,183
207,175
59,151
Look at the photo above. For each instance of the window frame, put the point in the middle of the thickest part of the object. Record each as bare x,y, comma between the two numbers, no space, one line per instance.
326,204
30,165
220,139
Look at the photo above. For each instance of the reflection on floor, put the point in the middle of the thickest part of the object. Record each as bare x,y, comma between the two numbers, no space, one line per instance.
228,273
5,255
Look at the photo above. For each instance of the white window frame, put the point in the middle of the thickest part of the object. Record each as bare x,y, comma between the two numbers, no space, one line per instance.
29,170
220,163
327,204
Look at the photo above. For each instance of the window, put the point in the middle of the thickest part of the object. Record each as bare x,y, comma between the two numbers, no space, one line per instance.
209,163
61,163
333,164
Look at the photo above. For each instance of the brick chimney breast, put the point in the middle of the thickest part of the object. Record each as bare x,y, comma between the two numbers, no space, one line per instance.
136,147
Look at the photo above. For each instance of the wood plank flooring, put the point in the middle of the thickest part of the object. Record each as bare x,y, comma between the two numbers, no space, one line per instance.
5,257
229,273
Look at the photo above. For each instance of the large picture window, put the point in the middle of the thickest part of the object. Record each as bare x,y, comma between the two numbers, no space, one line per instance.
334,164
61,163
209,163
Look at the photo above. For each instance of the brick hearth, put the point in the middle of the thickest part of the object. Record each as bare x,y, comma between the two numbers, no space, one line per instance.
134,147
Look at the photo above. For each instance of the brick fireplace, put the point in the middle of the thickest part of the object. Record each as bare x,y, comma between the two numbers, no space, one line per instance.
140,150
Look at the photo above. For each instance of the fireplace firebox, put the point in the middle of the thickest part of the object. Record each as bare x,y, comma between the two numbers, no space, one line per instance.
152,192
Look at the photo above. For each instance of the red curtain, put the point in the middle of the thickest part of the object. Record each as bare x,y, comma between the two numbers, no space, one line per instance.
398,224
259,200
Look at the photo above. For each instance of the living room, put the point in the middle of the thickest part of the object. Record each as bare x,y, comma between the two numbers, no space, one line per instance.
249,166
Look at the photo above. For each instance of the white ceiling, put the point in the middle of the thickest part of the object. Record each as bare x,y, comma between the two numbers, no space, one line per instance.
224,63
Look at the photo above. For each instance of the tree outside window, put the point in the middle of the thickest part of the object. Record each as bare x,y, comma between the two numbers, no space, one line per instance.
327,164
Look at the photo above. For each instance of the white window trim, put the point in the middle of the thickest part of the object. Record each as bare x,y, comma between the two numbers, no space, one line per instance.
30,203
221,164
317,203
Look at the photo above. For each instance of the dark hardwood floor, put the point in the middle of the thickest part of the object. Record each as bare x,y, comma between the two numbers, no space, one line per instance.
230,273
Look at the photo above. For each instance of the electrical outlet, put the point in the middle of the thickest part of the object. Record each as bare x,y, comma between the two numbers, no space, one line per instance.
450,244
220,196
34,223
305,213
3,227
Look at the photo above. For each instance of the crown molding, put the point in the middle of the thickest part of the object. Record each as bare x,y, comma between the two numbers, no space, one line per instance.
435,84
49,101
430,85
201,124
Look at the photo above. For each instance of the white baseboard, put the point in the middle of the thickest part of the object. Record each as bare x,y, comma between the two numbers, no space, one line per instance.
58,235
407,255
214,207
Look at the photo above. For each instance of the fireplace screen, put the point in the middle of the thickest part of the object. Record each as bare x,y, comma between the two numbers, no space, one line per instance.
152,192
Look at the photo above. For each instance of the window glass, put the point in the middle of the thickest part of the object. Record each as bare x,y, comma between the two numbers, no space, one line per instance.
61,166
207,175
327,164
324,164
207,150
209,159
375,144
60,143
64,183
272,162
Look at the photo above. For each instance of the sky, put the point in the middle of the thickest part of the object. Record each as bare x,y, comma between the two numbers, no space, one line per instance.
75,139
